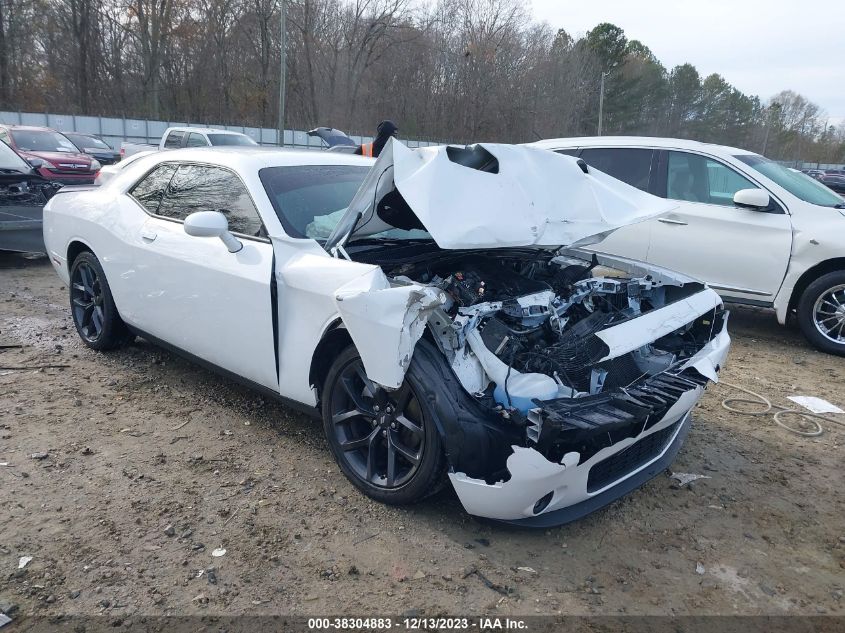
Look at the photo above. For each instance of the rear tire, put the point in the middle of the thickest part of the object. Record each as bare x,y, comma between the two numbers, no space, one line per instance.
821,313
92,307
386,443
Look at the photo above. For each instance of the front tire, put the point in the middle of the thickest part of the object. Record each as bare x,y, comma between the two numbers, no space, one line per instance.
821,313
92,307
386,443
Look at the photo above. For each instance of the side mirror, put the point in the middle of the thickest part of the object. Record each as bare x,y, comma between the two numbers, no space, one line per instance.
37,163
212,224
752,198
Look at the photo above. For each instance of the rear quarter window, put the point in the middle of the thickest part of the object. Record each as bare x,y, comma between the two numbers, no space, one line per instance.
150,190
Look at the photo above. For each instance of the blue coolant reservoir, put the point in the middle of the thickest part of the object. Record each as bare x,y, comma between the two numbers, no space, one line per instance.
523,388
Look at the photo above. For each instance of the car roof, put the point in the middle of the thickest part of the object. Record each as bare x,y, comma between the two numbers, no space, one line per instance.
205,130
257,157
638,141
30,128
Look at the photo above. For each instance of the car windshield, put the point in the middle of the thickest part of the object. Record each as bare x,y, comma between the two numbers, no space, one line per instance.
42,141
88,142
230,139
311,199
799,185
10,161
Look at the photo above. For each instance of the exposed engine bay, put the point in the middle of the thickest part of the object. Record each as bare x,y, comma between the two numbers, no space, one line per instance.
522,331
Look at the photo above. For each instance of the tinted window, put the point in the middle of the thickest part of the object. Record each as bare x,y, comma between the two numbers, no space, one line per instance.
697,178
230,139
568,152
628,165
206,188
196,140
88,142
151,188
174,140
799,185
311,199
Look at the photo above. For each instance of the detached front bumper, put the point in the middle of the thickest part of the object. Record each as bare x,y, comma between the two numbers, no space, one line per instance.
542,493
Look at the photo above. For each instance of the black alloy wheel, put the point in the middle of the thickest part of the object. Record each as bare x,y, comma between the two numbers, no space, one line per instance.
92,306
383,440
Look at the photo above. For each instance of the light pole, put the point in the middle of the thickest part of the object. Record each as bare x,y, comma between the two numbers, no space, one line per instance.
601,94
601,99
282,68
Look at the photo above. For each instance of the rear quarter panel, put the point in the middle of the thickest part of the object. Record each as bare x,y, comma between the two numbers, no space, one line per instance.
105,222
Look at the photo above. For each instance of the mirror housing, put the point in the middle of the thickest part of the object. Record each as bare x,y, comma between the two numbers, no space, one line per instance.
36,163
212,224
752,199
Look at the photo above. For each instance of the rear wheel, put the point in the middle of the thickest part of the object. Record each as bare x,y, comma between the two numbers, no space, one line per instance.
92,306
821,313
385,442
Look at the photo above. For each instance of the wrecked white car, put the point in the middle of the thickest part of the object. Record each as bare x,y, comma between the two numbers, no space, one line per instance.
431,307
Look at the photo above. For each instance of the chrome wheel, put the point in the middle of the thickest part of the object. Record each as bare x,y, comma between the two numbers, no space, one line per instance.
829,314
87,301
380,434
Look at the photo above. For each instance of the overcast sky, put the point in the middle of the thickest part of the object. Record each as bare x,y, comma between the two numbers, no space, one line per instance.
761,47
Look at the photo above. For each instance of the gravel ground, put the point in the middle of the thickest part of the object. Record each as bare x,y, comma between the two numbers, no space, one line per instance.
125,473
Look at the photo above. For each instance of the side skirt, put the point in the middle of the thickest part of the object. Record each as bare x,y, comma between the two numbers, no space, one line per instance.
265,391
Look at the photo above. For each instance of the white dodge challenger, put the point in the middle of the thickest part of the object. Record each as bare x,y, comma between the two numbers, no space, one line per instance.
431,307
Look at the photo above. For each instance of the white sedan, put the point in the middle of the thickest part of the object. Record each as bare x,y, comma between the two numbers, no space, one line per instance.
424,305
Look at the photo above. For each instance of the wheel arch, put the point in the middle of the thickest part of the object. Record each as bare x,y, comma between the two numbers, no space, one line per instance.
76,247
335,339
809,276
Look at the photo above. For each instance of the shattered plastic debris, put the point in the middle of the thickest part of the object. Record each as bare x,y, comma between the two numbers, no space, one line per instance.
4,620
218,552
685,478
24,561
530,570
699,569
815,405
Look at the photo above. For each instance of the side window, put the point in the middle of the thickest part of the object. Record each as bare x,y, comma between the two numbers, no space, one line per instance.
697,178
196,140
568,152
206,188
151,188
628,165
173,140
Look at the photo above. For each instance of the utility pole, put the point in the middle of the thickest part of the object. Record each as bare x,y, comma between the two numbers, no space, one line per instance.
282,69
601,99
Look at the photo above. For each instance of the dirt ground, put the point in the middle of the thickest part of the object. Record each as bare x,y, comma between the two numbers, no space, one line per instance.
121,474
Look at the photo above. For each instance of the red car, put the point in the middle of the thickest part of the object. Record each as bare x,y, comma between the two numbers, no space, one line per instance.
51,153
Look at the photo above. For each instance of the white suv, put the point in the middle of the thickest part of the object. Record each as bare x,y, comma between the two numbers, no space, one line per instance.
756,232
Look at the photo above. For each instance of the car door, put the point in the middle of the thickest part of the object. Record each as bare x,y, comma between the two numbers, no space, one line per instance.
742,253
632,165
191,292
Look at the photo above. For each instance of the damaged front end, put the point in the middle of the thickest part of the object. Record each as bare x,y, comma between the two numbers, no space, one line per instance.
568,380
576,380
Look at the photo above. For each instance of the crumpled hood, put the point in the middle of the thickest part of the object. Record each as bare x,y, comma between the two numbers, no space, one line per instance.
492,196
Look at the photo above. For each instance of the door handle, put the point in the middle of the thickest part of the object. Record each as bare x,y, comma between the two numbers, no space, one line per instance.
148,235
671,221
